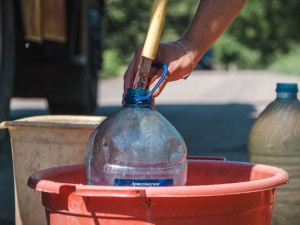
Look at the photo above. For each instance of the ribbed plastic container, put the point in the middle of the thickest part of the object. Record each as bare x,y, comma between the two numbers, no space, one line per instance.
217,192
42,142
274,140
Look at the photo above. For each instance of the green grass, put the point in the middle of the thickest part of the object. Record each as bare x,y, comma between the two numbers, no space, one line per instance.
287,63
111,64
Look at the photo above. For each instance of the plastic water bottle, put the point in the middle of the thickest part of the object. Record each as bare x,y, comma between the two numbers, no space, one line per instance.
136,146
274,140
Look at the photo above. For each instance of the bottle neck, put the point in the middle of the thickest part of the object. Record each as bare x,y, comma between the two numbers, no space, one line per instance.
137,98
286,95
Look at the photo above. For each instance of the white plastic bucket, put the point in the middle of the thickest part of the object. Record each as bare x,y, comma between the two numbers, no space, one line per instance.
42,142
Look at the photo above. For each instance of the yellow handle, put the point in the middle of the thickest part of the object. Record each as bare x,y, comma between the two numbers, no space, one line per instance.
155,28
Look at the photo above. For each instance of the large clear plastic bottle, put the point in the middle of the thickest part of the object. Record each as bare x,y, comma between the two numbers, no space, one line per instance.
136,146
274,140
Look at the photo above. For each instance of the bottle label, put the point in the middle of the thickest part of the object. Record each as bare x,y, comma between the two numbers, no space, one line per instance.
143,183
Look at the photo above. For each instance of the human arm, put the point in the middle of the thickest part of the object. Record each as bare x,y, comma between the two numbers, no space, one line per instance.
211,19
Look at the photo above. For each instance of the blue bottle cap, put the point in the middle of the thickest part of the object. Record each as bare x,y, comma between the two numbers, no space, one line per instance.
287,87
137,97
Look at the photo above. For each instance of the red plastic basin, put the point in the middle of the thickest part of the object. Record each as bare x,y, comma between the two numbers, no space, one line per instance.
217,192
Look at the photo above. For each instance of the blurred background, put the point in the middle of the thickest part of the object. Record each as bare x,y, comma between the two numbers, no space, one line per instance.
264,36
59,50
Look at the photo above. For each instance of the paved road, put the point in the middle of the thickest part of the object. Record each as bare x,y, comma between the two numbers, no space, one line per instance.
212,110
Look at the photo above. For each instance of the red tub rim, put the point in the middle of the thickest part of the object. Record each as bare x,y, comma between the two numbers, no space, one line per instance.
41,181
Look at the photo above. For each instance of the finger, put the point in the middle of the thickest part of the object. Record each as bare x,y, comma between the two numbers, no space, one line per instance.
152,73
155,80
153,102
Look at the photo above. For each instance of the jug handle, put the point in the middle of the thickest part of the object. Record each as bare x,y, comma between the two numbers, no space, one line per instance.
139,99
165,72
